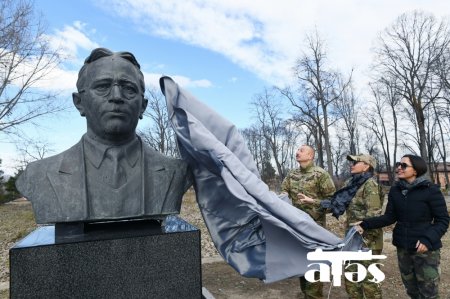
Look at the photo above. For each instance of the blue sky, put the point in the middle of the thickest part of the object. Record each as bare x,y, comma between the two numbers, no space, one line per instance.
222,51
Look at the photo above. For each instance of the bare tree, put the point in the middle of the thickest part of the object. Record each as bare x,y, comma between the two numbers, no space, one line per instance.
339,153
268,111
435,140
346,108
444,73
159,134
321,85
443,139
257,145
292,135
31,149
308,116
261,152
443,113
25,59
371,147
411,50
382,120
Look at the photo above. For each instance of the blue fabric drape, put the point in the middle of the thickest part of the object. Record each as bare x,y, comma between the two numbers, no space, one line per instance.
255,231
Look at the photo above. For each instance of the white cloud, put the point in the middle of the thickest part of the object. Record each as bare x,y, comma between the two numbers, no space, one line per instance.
152,81
72,38
252,36
68,42
266,37
43,72
59,80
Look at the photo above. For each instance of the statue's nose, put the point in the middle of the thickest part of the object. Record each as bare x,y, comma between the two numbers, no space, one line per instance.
115,93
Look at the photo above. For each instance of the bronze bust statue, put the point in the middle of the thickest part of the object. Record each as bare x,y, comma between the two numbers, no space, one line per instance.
110,173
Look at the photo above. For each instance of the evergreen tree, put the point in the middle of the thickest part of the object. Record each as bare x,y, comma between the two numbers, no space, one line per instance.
10,188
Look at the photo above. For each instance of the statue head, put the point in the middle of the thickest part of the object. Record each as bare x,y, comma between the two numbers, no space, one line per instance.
110,95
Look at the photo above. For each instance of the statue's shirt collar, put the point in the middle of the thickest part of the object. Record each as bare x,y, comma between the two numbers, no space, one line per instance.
95,151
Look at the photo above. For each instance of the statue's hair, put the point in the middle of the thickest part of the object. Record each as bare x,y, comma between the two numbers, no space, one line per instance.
98,53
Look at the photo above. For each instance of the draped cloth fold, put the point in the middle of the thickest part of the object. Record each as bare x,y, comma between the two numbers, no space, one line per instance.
256,232
341,199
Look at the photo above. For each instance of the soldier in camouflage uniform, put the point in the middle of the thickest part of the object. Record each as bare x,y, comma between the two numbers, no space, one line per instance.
367,202
315,182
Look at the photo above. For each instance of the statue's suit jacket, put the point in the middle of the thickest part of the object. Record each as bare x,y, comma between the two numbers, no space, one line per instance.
56,186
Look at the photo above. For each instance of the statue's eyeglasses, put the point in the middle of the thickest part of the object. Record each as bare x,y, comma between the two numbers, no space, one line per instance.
402,165
127,90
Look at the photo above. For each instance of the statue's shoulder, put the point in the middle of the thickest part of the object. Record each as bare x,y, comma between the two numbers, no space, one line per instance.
35,174
153,156
54,162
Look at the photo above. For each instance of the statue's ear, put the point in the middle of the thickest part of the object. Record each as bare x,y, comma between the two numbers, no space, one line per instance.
78,103
143,107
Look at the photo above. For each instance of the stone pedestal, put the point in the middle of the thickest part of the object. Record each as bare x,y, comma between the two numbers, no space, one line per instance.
132,260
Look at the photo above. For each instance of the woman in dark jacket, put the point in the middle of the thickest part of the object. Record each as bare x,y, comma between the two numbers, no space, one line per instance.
419,210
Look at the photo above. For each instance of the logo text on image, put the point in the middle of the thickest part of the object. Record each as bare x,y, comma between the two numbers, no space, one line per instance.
337,259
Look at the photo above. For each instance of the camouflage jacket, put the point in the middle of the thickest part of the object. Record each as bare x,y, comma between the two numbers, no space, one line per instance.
367,202
312,181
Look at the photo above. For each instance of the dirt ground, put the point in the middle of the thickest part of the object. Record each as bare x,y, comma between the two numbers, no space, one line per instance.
222,281
218,278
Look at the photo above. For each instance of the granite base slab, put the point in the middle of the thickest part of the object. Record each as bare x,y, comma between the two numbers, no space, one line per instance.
145,262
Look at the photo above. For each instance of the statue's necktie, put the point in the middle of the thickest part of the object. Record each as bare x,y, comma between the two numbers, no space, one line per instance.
116,175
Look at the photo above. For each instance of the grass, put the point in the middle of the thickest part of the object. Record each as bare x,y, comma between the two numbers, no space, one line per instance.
16,221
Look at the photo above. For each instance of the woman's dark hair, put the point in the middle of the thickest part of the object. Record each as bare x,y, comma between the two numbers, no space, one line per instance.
419,164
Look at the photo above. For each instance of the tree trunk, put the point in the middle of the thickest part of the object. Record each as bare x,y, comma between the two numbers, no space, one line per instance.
326,137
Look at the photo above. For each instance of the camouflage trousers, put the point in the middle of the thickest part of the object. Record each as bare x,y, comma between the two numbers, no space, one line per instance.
363,289
420,273
311,290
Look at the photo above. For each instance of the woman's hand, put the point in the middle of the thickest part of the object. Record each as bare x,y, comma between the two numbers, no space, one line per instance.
358,228
421,248
305,199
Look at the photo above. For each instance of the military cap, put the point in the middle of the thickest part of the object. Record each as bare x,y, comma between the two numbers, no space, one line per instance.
368,159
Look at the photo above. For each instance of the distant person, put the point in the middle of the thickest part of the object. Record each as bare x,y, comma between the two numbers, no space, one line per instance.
314,182
110,173
419,210
359,198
